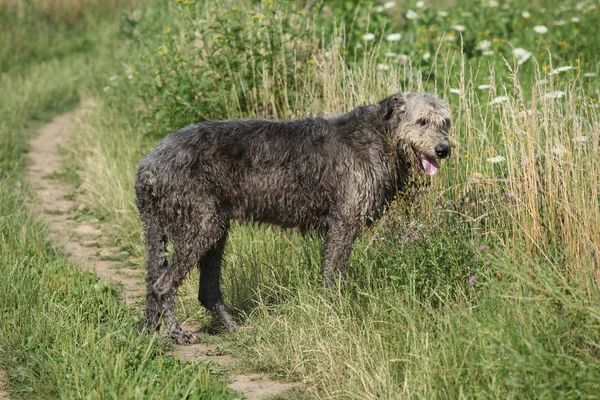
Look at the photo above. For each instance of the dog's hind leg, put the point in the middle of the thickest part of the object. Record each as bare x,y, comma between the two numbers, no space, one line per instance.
209,292
188,247
156,264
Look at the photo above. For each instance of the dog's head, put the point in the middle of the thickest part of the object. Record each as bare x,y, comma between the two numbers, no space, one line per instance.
419,124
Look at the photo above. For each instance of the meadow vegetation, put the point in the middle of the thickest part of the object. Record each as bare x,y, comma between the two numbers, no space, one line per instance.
480,282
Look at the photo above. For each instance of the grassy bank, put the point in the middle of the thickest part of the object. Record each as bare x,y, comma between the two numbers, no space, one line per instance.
483,283
63,333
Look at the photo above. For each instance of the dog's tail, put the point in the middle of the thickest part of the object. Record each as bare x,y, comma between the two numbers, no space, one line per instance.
154,231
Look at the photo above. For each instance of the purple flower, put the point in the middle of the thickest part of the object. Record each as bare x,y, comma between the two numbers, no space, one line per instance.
472,279
524,162
507,196
483,248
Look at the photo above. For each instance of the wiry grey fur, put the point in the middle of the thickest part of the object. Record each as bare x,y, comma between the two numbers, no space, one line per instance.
326,174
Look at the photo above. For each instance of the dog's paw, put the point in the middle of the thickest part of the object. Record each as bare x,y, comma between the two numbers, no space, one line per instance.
184,337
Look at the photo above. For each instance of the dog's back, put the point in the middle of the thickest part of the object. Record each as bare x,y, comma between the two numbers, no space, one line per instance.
278,172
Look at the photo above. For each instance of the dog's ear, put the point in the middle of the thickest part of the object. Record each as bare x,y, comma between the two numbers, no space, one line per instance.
393,107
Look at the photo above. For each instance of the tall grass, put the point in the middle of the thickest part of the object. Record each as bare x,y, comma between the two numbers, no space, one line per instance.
481,282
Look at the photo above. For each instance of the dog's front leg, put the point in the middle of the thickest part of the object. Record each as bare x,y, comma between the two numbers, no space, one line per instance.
336,248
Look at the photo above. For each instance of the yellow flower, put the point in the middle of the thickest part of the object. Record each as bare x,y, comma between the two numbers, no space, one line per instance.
235,8
257,16
217,37
167,30
563,43
545,68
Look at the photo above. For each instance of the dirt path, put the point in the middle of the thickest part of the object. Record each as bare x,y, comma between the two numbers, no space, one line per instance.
82,241
3,387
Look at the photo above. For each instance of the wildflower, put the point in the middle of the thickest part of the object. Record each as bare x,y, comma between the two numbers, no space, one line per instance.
383,67
483,45
575,19
129,77
402,59
526,14
589,74
524,162
393,37
499,99
541,29
390,54
367,37
580,139
493,4
472,280
455,91
458,28
496,160
442,14
521,55
426,56
484,87
389,4
561,69
488,53
378,9
483,248
553,95
420,4
450,37
113,78
560,151
525,113
410,14
507,196
560,22
106,88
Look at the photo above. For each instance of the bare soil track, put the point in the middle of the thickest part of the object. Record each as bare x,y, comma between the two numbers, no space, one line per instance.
81,241
3,387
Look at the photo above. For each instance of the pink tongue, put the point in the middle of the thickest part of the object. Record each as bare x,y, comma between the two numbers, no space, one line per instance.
429,165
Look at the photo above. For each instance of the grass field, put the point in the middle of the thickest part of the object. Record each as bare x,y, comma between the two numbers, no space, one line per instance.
483,284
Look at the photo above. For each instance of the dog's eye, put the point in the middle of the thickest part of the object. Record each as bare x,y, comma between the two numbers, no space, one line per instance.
422,122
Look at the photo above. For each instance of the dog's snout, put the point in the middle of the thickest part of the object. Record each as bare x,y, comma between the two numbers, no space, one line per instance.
442,150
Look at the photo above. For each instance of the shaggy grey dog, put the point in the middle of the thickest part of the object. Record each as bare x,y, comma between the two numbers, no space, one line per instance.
328,174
